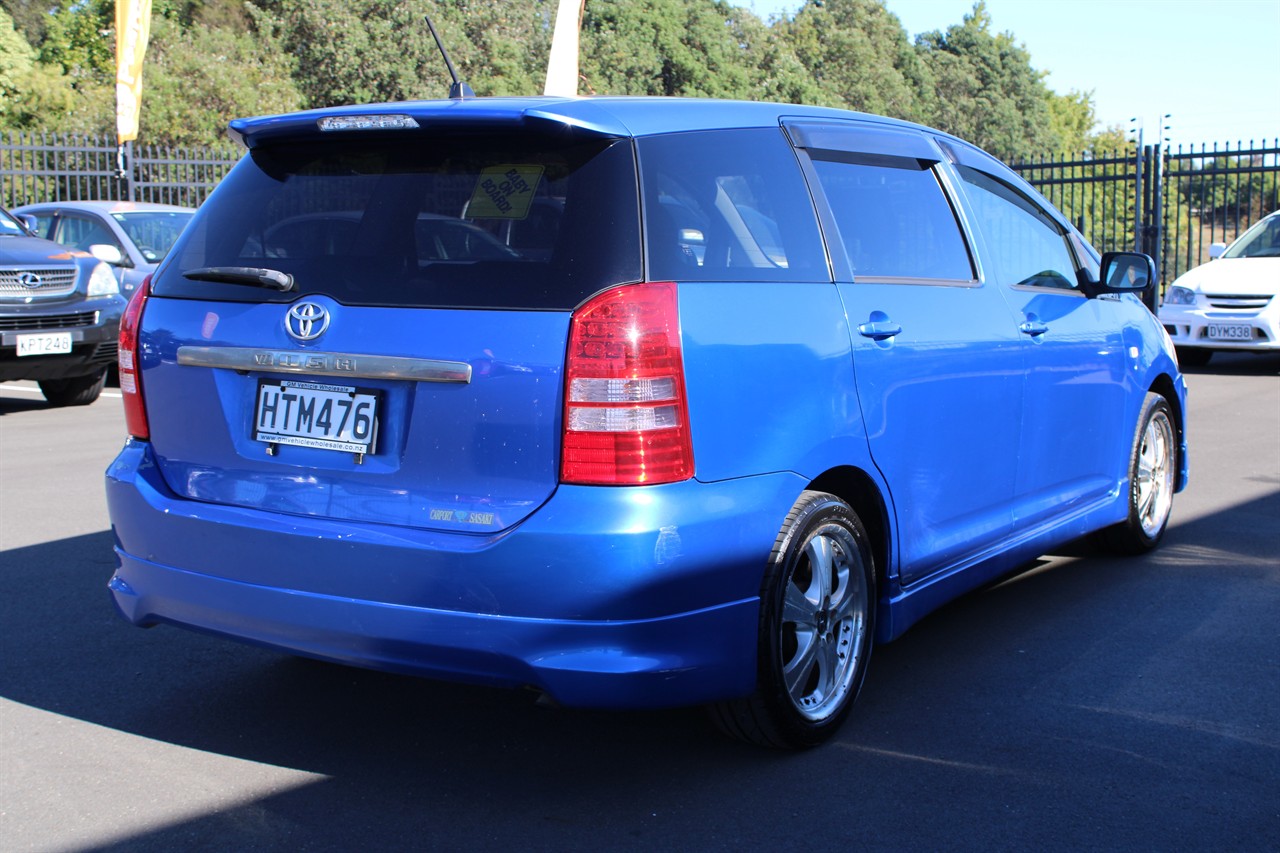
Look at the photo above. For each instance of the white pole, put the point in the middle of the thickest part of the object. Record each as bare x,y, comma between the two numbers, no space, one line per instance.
562,66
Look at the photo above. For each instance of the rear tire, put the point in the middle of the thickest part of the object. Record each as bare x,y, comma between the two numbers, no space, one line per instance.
817,611
1153,472
76,391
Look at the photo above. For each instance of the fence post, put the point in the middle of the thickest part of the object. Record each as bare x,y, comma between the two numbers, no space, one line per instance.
1156,233
1137,193
124,168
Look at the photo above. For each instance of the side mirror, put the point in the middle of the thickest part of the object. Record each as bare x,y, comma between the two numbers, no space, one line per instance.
1124,272
33,224
1216,250
107,253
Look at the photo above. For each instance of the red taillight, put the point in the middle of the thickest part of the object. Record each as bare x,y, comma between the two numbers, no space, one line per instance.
626,422
135,413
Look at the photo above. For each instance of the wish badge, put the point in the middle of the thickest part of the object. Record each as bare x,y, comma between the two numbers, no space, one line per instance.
504,192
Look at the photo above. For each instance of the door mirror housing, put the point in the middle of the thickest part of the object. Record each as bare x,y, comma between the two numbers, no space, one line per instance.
1216,250
108,253
1123,272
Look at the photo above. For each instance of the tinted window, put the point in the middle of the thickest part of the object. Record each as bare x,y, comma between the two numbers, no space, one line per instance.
1260,241
1026,246
81,232
153,232
894,220
9,226
728,205
450,220
44,224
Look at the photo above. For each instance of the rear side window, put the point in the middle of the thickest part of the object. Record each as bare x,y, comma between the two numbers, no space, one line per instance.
728,205
81,232
447,220
894,219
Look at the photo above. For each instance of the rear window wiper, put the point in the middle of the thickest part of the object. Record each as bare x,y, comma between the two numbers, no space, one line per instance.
253,276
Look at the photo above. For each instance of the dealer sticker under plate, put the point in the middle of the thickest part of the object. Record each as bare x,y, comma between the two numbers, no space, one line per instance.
315,414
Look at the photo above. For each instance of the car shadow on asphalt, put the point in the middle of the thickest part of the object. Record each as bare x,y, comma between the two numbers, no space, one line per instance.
1237,364
417,752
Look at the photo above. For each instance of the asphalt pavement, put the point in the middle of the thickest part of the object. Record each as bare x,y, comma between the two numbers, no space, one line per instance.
1086,703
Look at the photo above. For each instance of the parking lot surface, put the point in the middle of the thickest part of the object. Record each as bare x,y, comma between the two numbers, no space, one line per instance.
1087,702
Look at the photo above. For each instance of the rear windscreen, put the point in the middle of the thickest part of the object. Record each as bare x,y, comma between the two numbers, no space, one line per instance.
447,220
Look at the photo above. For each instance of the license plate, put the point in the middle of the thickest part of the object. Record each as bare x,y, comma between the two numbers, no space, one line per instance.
315,414
56,343
1230,332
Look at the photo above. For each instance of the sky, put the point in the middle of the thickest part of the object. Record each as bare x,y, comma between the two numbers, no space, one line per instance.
1203,62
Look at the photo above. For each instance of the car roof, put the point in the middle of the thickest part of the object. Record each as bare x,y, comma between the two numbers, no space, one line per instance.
106,207
605,116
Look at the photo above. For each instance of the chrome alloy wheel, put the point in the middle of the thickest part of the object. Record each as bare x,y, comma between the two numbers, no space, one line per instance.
824,622
1154,477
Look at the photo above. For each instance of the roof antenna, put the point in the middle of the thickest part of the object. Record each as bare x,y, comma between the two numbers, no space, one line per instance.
459,90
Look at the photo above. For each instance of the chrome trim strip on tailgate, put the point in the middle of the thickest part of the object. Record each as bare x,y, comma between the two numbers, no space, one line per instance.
353,365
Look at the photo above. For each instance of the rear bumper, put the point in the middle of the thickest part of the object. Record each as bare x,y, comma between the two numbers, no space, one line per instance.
615,598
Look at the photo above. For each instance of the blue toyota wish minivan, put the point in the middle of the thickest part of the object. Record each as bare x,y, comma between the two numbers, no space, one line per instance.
636,402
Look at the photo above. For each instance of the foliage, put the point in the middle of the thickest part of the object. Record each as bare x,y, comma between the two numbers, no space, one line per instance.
16,56
857,51
211,60
199,77
74,40
692,48
987,91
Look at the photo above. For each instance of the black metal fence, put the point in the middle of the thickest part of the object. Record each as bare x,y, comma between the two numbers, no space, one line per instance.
1170,204
1173,205
47,167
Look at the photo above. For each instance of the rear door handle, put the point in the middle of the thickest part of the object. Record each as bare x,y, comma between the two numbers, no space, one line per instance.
880,329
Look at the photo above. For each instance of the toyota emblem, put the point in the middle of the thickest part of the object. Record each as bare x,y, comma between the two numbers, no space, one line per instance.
306,321
30,280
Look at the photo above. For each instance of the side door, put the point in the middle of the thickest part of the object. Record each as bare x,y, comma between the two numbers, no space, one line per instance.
1074,441
937,355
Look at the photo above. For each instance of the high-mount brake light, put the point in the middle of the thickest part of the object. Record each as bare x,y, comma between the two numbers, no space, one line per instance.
626,420
376,122
135,410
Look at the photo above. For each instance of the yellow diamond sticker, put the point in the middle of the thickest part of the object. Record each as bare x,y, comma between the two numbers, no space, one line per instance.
504,192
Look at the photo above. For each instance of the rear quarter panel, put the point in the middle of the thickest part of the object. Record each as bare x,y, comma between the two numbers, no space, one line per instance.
770,380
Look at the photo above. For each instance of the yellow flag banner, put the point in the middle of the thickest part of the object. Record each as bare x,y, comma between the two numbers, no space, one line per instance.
133,28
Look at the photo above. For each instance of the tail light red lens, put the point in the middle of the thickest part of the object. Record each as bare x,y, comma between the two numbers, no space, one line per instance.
135,412
626,421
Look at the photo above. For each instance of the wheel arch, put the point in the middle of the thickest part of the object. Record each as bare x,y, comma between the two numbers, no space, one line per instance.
1165,387
856,488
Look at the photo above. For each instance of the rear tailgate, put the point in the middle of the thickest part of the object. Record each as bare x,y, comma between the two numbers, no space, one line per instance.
370,324
476,453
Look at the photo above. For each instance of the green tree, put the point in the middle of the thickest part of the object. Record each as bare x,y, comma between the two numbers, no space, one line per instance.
1071,121
361,51
986,90
16,56
690,48
858,53
29,18
80,37
35,94
197,78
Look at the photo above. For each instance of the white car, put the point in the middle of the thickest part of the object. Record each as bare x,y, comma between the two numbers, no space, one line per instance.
1230,303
